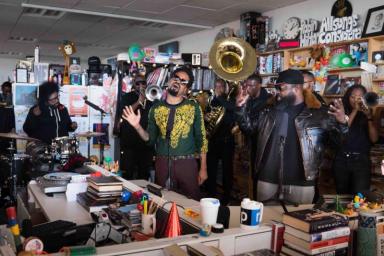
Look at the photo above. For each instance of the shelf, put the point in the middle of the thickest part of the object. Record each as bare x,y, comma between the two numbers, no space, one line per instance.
335,70
269,52
379,79
296,68
269,74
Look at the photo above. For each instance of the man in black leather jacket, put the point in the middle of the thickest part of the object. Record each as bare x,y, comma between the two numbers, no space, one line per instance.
254,102
304,130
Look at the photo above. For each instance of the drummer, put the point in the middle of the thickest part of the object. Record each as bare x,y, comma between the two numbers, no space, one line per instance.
48,119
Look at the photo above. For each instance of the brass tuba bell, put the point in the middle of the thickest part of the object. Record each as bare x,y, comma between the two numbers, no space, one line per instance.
232,59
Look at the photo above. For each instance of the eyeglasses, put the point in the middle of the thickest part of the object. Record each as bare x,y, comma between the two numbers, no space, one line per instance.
180,80
54,99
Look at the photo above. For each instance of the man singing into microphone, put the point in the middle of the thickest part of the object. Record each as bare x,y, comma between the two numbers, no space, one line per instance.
48,119
176,126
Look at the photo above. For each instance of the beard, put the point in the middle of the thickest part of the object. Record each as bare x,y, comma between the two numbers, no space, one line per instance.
288,100
173,90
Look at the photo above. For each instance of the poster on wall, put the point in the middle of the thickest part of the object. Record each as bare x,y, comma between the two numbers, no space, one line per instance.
77,106
21,113
25,94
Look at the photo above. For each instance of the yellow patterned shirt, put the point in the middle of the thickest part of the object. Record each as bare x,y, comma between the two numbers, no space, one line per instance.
188,132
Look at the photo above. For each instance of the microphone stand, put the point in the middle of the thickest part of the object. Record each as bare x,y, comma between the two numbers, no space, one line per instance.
279,194
102,113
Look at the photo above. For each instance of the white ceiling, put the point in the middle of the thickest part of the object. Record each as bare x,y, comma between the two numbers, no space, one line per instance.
97,34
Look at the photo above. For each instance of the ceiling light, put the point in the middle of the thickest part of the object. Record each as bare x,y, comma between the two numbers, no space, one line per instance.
111,15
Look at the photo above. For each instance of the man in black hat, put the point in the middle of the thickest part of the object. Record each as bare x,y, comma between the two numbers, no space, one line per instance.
299,130
176,128
136,155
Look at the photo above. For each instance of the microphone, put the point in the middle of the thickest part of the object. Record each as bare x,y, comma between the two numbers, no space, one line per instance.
92,105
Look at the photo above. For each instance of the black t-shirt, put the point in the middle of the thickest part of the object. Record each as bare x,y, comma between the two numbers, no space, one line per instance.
128,135
357,139
293,172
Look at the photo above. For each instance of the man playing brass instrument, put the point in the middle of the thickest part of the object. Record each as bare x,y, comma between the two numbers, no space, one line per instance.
176,127
136,156
221,144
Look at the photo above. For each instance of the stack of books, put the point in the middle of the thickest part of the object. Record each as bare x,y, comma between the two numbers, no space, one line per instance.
315,232
101,192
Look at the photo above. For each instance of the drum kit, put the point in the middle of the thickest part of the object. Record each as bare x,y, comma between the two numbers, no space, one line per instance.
43,157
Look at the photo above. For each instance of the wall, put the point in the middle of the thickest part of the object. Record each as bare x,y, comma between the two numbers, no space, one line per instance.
316,9
6,69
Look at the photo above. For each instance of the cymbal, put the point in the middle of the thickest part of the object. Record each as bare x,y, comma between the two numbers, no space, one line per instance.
13,135
89,134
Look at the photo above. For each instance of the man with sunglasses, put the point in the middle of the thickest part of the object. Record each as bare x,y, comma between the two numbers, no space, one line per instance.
136,156
48,119
301,130
176,128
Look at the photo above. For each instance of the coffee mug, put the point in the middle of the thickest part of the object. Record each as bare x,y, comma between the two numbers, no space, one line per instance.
251,214
148,223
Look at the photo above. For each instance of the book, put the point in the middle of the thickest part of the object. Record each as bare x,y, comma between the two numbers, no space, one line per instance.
90,204
315,237
105,180
318,251
314,221
292,252
103,199
93,191
106,188
277,236
314,245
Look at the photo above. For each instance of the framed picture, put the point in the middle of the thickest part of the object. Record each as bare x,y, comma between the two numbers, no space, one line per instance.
374,23
21,75
333,87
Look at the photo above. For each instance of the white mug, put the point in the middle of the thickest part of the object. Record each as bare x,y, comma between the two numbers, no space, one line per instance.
148,223
251,214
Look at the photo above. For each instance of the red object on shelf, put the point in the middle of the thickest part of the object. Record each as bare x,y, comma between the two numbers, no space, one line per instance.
285,43
173,228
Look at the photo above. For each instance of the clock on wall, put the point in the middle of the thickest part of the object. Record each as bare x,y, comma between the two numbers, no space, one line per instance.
291,28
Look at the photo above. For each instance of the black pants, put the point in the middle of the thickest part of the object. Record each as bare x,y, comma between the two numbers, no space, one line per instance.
220,149
352,173
136,162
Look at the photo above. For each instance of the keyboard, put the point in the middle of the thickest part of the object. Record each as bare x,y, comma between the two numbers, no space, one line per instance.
57,226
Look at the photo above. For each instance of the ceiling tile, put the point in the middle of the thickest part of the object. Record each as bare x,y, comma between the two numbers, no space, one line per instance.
184,13
103,3
211,4
56,3
154,6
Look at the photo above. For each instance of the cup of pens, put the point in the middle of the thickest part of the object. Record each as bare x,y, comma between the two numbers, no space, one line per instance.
148,217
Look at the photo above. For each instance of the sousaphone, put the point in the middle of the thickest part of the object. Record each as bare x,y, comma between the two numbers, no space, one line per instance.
232,59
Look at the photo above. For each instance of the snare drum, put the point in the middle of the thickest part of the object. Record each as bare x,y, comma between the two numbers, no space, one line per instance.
66,146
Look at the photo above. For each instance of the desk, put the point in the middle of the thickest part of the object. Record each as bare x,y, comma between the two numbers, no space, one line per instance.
233,241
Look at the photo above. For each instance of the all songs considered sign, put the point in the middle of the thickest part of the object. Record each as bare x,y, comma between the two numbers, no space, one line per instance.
330,30
339,29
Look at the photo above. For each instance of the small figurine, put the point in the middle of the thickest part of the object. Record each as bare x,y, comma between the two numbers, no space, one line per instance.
67,49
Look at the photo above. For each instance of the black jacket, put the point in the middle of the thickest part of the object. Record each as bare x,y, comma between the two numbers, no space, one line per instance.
312,126
50,124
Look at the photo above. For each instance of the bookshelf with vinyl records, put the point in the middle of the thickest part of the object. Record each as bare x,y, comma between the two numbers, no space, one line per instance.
345,60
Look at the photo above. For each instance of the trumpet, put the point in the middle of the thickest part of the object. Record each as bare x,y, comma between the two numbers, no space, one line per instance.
153,92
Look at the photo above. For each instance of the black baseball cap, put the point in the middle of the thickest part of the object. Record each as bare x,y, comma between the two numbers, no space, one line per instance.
290,76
